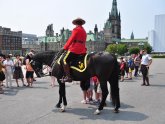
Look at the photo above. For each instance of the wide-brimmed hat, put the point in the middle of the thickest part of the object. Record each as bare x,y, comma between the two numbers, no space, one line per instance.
78,21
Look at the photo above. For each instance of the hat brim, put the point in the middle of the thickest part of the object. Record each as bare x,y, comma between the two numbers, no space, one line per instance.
78,21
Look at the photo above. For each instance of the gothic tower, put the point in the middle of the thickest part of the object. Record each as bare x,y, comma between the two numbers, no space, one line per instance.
112,27
50,31
96,31
132,36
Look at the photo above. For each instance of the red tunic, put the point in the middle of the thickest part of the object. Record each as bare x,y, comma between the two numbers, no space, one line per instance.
77,41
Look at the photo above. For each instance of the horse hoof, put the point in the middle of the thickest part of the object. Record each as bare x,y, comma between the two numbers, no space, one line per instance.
62,110
116,111
97,112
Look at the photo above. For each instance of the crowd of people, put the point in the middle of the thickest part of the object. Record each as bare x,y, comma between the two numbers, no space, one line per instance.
135,65
11,68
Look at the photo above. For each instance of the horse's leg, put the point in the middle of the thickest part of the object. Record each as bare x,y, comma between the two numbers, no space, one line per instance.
114,85
104,89
58,105
62,92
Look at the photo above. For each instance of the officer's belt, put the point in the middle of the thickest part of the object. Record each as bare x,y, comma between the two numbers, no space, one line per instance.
79,41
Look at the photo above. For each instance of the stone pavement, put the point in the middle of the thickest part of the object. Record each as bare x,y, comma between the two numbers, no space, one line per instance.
139,104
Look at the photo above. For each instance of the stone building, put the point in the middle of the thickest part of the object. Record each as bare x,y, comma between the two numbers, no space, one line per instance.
10,41
29,41
96,40
134,42
112,27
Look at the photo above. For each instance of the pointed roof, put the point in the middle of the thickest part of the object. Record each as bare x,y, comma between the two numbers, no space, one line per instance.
119,16
95,29
132,36
114,11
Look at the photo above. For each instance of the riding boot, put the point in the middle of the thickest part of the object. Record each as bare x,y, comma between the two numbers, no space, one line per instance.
67,72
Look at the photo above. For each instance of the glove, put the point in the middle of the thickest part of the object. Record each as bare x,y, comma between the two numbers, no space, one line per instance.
61,51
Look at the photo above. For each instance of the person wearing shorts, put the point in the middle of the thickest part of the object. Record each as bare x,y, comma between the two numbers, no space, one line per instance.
85,85
29,73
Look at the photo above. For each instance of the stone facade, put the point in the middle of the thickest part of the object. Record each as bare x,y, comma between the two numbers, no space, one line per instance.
112,27
96,41
10,41
29,41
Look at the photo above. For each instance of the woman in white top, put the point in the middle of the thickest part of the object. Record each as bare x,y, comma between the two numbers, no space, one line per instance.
8,63
145,63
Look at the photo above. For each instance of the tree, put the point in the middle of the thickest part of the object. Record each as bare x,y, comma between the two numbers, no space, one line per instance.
148,47
117,48
134,50
121,49
112,48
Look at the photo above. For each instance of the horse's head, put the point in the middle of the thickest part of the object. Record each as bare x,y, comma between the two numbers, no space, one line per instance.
40,59
37,66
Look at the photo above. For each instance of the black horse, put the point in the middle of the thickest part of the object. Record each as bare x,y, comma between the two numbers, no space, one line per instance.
102,64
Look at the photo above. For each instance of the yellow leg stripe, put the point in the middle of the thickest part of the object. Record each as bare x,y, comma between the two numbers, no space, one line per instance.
66,56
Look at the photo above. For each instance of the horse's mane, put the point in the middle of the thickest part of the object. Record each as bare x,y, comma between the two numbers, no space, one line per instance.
45,56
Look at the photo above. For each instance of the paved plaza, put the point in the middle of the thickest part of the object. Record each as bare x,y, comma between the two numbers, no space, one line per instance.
139,104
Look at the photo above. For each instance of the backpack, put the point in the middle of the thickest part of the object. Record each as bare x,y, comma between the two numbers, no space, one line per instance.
132,66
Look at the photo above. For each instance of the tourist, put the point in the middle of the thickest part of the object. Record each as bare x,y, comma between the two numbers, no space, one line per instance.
145,64
2,75
8,63
29,71
18,74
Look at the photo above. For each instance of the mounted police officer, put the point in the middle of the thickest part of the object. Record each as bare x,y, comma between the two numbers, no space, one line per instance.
75,46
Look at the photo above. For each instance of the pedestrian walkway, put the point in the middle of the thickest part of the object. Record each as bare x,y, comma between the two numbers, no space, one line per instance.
139,104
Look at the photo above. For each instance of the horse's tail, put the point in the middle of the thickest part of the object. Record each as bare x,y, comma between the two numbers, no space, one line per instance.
114,84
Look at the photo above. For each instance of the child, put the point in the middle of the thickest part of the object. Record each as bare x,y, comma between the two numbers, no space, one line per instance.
52,77
85,86
97,88
122,69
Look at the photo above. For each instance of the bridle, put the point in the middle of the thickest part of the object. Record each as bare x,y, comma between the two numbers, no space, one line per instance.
38,71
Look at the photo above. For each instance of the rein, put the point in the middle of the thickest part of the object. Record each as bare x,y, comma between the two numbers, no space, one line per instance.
56,57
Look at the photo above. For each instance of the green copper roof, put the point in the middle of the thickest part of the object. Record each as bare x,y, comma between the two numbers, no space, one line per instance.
49,39
107,25
134,40
114,11
64,36
91,37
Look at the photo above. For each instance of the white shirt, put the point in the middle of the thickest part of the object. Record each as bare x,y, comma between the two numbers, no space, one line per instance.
145,59
8,65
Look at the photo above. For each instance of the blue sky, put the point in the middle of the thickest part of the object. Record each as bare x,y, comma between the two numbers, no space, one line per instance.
32,16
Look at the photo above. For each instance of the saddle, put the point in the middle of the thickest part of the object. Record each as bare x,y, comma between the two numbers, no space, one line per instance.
79,64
